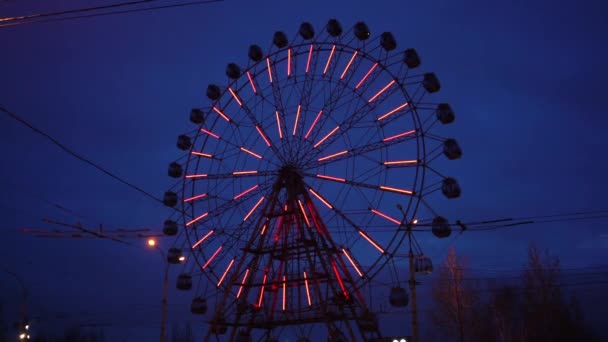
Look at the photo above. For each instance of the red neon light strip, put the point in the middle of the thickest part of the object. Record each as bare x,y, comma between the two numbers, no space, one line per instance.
246,192
309,58
320,198
393,111
400,162
288,62
198,243
401,191
366,75
371,241
333,265
254,208
241,173
212,257
349,63
194,198
333,155
196,176
238,294
251,152
225,272
295,125
284,292
352,263
235,97
196,219
200,154
382,91
276,113
399,135
385,216
307,290
264,228
327,136
251,82
210,133
263,136
313,124
332,178
269,71
331,54
262,291
224,116
304,213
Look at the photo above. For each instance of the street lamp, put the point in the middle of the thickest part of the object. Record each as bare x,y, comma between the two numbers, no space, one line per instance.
23,311
163,323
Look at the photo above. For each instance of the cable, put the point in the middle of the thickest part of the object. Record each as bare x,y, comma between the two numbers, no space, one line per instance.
191,3
77,156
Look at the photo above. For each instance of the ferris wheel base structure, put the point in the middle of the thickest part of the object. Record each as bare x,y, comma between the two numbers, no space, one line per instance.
287,195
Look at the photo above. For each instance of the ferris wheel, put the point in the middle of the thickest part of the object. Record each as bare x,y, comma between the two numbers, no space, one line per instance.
288,190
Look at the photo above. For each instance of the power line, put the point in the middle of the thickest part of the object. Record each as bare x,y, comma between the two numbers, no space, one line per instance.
191,3
77,156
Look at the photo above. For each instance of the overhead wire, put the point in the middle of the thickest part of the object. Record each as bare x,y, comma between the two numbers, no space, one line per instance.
152,8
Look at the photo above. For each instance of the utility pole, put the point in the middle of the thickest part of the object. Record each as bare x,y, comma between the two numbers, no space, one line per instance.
163,321
412,283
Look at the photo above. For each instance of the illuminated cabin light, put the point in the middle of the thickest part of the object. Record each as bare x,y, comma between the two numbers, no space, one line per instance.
251,152
210,133
399,135
224,116
251,82
235,97
309,58
254,208
372,242
284,292
263,135
197,219
197,176
246,192
288,62
393,111
269,71
262,291
201,154
381,91
198,243
212,257
295,125
331,54
313,124
327,136
238,294
333,265
349,63
352,262
397,190
385,216
336,179
225,272
307,290
333,155
400,162
320,198
243,173
366,75
194,198
276,114
304,213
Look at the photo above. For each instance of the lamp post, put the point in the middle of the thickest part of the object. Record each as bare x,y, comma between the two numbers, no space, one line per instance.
163,321
23,324
412,281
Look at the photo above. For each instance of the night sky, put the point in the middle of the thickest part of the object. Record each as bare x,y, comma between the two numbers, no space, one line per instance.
525,78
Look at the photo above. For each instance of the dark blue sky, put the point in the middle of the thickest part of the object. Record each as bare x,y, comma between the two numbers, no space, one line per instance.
526,79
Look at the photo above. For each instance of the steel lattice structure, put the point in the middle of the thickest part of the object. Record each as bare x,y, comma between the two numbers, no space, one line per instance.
292,164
